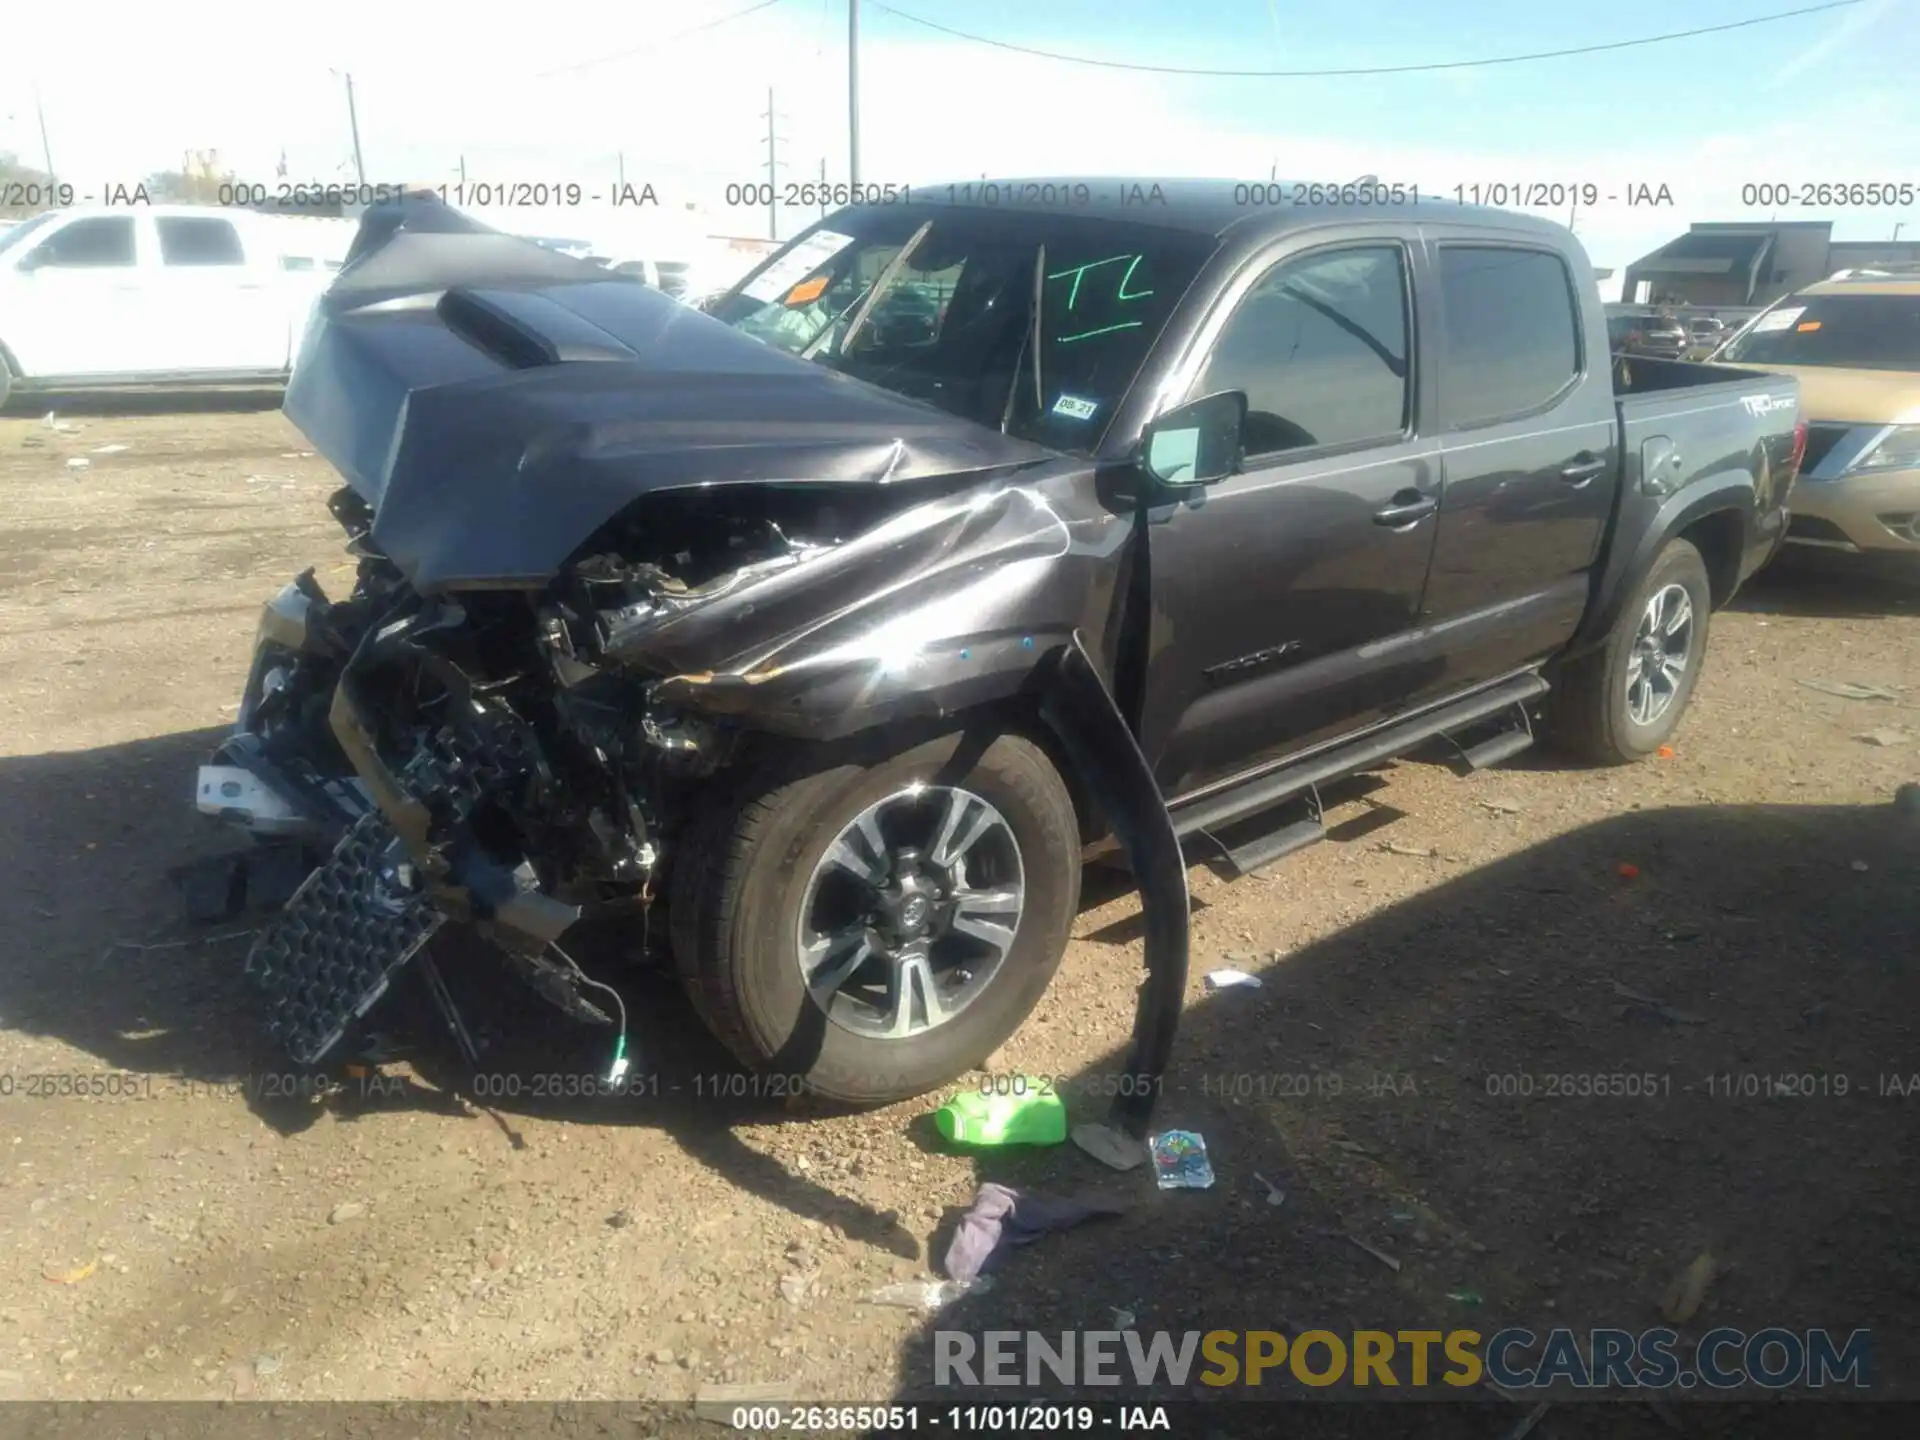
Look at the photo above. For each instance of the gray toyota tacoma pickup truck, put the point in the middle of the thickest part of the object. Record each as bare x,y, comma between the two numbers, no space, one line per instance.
828,634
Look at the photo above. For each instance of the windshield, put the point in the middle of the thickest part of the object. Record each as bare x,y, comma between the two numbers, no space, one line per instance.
952,322
10,238
1849,332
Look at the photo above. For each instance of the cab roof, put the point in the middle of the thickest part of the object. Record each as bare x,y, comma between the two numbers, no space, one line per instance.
1211,207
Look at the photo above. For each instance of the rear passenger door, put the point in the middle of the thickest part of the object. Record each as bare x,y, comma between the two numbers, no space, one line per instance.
1275,588
223,314
1529,454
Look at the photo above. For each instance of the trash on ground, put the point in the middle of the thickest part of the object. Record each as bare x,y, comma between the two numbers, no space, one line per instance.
1380,1255
794,1287
1501,807
1026,1117
79,462
1180,1161
1123,1319
1860,866
719,1403
348,1210
73,1276
1656,1007
1228,979
927,1295
1112,1148
1466,1297
1665,752
113,449
1002,1217
1352,1147
1417,852
1275,1195
1689,1289
1627,870
54,422
265,1365
1885,738
1850,690
1532,1418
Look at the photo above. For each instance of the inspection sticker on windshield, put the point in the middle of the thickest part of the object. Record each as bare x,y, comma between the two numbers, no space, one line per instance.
1778,319
1075,408
798,263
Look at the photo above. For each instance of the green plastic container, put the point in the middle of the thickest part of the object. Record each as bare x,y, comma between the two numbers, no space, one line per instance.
971,1118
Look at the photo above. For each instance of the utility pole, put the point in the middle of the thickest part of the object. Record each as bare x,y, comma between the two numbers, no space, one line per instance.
823,195
773,166
463,173
353,119
1896,229
853,92
620,161
46,150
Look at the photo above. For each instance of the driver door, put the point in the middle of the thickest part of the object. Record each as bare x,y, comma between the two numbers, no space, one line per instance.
1279,592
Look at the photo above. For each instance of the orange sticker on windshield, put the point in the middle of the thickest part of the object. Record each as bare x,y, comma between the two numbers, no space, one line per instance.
806,292
1810,325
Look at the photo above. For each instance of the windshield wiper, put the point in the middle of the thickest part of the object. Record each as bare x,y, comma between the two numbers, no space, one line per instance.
863,307
1030,344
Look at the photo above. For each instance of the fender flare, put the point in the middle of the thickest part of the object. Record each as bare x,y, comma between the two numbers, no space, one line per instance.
1655,522
1076,704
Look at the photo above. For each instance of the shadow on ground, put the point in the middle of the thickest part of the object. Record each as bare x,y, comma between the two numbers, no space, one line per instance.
1425,1083
94,952
1820,585
240,400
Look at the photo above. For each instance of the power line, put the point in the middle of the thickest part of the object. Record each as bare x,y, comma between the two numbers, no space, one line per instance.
653,45
1368,69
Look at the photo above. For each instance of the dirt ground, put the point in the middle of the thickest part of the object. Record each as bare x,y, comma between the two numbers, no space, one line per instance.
1426,975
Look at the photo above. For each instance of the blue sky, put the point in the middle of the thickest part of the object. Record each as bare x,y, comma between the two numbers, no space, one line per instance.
1828,96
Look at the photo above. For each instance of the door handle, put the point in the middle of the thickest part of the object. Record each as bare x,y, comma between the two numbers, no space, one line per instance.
1578,473
1408,507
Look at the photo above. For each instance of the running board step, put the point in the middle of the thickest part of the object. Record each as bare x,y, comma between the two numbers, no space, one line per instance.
1256,854
1507,741
1492,751
1263,792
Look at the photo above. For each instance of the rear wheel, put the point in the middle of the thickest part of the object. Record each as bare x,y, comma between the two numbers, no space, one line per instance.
876,927
1622,702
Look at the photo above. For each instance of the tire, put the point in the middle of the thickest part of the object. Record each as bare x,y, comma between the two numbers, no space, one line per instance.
1592,712
752,871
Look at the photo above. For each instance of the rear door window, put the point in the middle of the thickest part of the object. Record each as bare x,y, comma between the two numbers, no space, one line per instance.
198,241
1510,339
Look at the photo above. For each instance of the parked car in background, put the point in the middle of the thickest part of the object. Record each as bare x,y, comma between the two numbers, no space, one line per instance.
843,637
162,295
1854,346
1659,336
1705,334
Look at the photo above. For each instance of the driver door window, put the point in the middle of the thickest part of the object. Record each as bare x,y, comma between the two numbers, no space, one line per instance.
1320,345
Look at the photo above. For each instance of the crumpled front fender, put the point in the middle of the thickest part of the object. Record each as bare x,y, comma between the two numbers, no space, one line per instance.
945,606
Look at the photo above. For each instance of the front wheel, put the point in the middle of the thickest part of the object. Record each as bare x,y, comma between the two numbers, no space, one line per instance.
1622,702
873,928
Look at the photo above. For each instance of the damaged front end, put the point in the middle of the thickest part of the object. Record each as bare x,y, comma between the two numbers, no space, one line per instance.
611,555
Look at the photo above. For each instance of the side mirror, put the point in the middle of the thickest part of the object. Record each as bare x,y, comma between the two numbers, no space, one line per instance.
1198,443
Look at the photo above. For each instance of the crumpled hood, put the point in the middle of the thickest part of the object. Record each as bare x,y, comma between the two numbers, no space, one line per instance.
497,403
